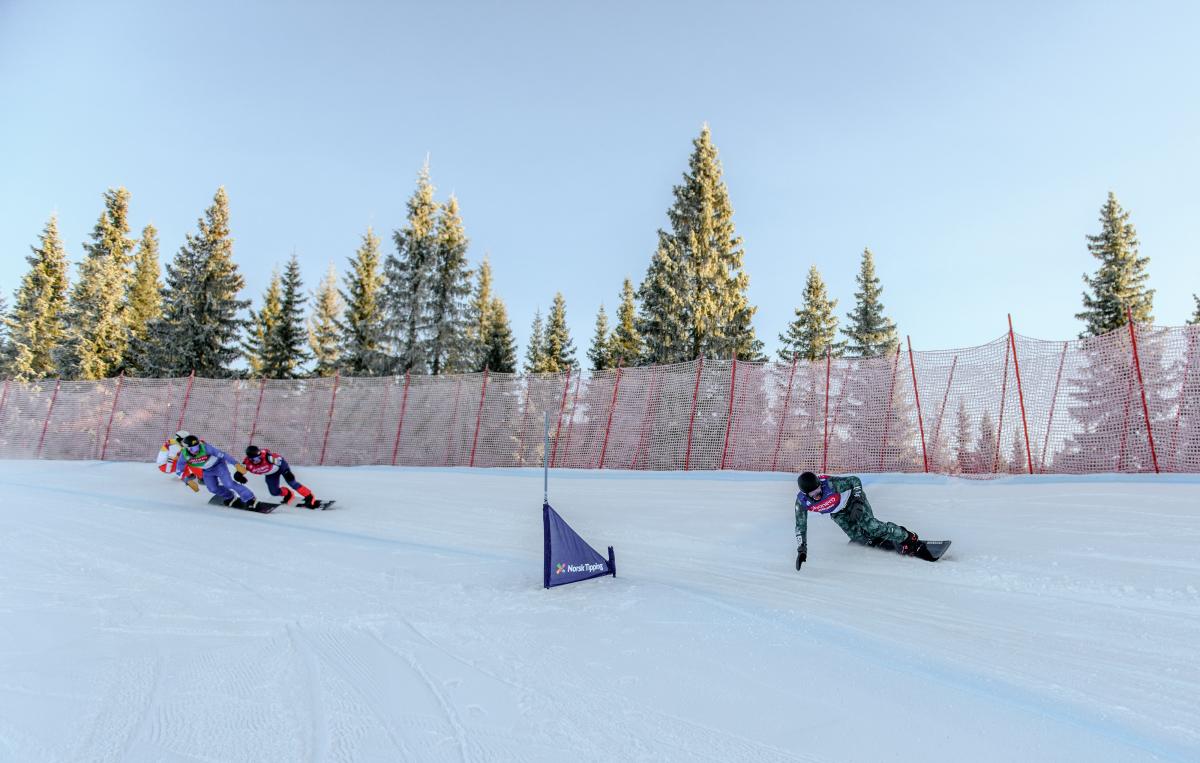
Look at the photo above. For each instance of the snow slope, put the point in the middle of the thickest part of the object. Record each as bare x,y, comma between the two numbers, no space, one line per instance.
138,623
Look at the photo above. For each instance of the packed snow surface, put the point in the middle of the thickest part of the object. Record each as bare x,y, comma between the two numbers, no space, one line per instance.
138,623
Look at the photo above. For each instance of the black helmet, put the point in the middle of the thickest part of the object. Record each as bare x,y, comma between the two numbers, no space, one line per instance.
252,452
191,440
808,482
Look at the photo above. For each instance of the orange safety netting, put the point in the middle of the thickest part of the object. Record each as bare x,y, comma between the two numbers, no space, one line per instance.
1014,405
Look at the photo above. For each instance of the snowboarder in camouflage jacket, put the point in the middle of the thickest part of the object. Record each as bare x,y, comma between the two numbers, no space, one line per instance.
844,500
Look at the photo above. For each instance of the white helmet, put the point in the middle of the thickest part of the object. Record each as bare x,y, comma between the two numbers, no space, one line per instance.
180,436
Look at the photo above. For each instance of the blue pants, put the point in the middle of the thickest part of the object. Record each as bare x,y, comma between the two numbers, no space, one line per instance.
219,482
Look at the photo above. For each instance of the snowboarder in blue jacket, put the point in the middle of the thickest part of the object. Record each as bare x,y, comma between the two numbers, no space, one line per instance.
214,463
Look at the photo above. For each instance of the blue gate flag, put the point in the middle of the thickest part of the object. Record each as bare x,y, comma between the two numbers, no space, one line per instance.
568,558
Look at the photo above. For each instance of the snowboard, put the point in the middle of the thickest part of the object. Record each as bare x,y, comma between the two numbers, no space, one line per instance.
934,549
322,505
262,507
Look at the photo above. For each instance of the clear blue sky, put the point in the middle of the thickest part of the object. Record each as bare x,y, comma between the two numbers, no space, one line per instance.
970,147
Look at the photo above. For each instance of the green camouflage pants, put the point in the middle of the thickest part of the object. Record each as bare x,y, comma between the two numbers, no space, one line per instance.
857,521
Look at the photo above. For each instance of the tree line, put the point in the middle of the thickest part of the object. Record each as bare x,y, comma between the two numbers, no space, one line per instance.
422,308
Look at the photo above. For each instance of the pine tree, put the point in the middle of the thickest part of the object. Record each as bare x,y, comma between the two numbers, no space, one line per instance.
626,344
814,331
1196,315
37,322
1017,462
323,333
535,352
446,345
479,317
5,353
261,327
559,349
286,352
869,332
501,347
599,352
97,326
362,325
694,295
408,276
1120,281
144,306
985,449
966,463
199,327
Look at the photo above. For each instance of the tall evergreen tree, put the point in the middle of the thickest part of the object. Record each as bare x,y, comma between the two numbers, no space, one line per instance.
362,325
37,321
1120,281
626,343
4,347
694,298
97,325
144,306
408,276
261,327
323,332
559,349
535,351
199,327
986,449
286,350
446,345
501,355
869,332
965,456
1196,315
479,316
814,331
600,352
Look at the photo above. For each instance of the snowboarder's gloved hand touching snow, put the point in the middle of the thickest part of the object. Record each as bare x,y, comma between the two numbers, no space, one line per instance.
238,476
801,556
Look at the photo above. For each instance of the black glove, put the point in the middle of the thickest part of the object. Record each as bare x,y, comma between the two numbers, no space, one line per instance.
801,556
239,477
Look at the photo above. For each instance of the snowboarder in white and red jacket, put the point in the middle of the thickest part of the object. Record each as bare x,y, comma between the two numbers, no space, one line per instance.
272,466
844,500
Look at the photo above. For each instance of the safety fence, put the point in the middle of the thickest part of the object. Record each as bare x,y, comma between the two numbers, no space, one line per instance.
1128,401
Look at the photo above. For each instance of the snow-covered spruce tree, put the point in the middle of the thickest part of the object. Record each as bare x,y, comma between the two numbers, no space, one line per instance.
694,295
408,276
599,353
479,317
986,447
559,349
97,337
199,327
501,347
814,330
965,461
287,343
144,305
446,340
868,332
1120,281
4,348
262,325
1196,315
626,343
323,333
362,324
37,322
1017,462
535,351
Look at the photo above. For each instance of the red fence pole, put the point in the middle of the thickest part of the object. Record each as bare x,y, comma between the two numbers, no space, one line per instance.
400,425
453,423
612,406
329,419
113,412
648,417
920,421
186,394
479,416
687,457
1000,425
1137,364
561,407
3,400
887,418
571,418
825,439
937,430
837,407
262,385
49,413
1187,367
1053,402
1020,393
729,415
787,398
